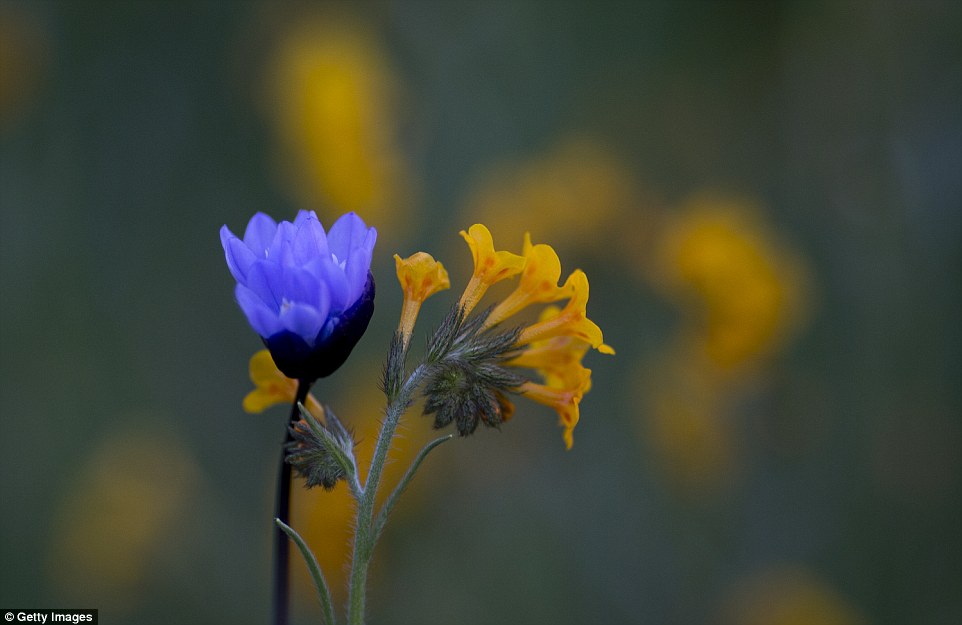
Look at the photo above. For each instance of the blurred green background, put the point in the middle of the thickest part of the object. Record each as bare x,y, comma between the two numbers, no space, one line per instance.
766,197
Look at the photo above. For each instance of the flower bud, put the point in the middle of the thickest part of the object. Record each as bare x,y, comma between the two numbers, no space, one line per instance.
467,383
323,454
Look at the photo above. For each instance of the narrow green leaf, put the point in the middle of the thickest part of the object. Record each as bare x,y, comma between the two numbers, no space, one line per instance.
323,592
382,516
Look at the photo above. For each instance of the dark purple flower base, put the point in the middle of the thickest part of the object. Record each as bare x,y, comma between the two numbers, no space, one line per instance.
299,361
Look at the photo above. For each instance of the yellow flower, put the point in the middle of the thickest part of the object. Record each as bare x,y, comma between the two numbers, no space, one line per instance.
572,320
566,380
564,400
787,596
421,277
273,387
490,266
747,288
24,61
576,194
127,500
557,359
332,92
553,346
688,422
538,283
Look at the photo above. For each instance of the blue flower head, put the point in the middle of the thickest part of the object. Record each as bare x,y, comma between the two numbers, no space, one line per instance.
307,293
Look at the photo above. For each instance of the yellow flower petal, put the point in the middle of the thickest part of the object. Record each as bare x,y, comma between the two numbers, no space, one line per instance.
557,359
565,401
264,372
572,321
272,387
490,266
420,277
260,400
538,284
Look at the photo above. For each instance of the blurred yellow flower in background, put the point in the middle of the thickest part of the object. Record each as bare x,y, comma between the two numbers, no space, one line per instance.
571,195
332,94
742,289
686,422
788,596
743,295
23,62
119,517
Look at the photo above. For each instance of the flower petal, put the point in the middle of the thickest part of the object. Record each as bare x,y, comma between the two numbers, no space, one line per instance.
225,235
335,280
260,399
310,241
300,286
348,232
303,320
264,279
239,257
420,276
357,267
280,250
262,319
538,283
352,243
262,369
260,233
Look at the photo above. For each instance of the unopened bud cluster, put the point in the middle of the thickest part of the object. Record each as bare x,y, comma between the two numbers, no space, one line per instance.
466,381
323,454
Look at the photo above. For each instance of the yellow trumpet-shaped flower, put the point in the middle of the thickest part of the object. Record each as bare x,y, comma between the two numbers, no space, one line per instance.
490,266
557,359
564,400
538,284
469,386
566,380
572,320
420,277
273,387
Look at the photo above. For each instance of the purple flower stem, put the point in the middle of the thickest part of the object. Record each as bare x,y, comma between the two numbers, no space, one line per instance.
282,511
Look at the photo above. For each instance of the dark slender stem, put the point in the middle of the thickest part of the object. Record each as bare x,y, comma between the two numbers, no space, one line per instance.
282,509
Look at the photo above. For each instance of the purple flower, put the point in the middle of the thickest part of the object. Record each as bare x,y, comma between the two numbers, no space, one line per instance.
307,293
